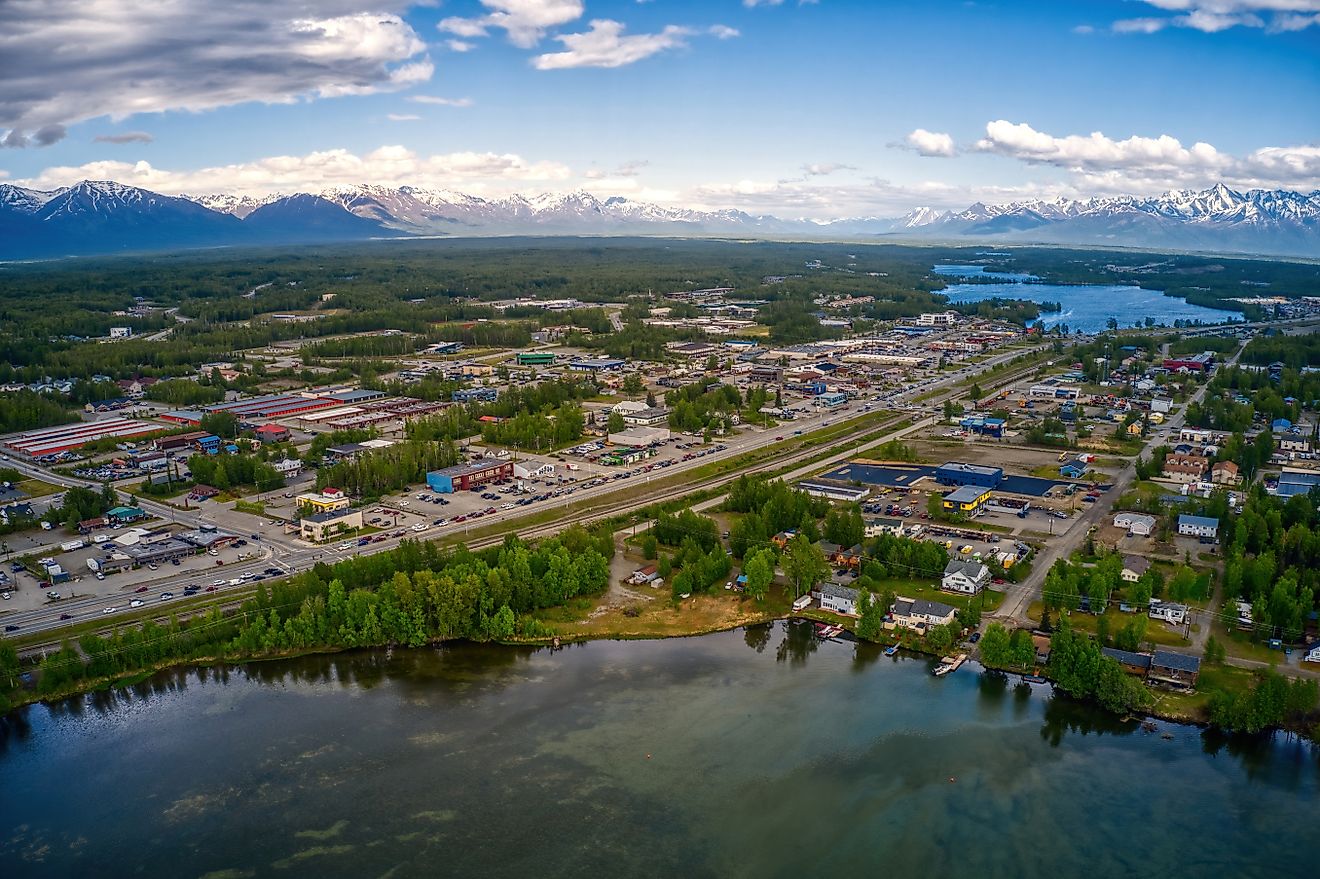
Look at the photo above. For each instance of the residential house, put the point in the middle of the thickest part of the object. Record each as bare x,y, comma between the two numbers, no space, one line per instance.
1133,663
1168,612
839,556
1198,526
1312,653
1225,473
1174,669
1137,524
838,598
919,614
272,433
1185,469
876,527
1133,567
966,577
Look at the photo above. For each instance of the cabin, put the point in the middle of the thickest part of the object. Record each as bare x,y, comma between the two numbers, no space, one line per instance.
1174,669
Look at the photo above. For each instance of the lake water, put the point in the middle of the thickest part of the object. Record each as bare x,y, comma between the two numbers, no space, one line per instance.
1086,307
750,753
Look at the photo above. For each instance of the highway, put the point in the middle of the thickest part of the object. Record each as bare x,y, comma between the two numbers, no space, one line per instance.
290,555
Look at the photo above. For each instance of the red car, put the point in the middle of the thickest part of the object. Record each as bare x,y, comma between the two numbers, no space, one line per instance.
141,589
209,589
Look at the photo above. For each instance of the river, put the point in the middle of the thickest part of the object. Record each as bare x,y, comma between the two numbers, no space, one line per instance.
754,753
1086,307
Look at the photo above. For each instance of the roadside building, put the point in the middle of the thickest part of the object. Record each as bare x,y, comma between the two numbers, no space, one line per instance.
596,364
534,358
1167,612
967,500
876,527
834,491
326,501
464,477
1225,473
327,525
272,433
475,395
159,551
647,417
957,473
640,436
965,577
124,515
1185,469
1072,469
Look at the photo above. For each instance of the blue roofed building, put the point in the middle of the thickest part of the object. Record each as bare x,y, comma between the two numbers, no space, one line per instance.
957,473
1198,526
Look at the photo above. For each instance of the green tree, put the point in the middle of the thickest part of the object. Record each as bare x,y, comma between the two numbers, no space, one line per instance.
760,571
616,423
804,564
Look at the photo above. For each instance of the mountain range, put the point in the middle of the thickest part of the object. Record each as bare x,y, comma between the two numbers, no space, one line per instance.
94,217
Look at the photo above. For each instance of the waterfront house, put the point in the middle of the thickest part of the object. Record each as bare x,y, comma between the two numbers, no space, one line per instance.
919,614
1133,663
1174,669
838,598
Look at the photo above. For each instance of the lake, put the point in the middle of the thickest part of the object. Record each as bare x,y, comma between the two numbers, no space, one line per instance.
758,752
1086,307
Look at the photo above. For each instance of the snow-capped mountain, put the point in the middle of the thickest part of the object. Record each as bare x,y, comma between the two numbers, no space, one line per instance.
98,217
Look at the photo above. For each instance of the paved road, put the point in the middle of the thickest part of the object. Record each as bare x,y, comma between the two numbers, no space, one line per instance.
1014,608
291,555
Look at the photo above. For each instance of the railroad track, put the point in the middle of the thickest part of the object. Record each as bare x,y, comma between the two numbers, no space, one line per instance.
595,510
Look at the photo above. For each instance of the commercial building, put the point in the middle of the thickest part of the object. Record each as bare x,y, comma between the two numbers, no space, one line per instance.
463,477
178,441
1293,481
1195,363
53,440
320,527
640,436
534,358
159,552
832,399
967,499
834,491
956,473
647,417
328,500
596,364
470,395
272,433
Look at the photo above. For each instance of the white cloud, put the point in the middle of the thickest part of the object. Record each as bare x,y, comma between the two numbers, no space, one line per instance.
71,60
525,21
441,102
1148,164
387,165
126,137
1083,29
402,117
723,31
459,46
930,143
1212,16
605,45
822,169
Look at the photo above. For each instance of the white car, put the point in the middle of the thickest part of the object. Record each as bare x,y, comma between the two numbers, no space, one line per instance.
347,544
110,610
420,526
136,602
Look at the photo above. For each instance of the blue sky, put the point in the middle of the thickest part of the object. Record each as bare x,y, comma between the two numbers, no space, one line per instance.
830,108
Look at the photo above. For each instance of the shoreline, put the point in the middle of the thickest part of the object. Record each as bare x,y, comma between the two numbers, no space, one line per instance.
124,681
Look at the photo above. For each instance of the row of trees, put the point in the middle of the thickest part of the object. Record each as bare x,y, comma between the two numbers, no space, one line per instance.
380,471
412,595
230,471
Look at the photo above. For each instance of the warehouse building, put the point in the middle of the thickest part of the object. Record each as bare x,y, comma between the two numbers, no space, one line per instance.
320,527
463,477
52,440
967,500
534,358
956,473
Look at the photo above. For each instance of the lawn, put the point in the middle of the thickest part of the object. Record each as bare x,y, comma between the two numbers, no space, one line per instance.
1240,644
37,488
1156,632
931,592
661,616
1213,679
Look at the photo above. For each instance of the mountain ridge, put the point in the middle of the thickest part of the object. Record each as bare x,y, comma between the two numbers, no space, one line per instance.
106,216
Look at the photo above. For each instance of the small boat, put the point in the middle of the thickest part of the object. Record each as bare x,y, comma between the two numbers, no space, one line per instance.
1033,679
891,650
942,669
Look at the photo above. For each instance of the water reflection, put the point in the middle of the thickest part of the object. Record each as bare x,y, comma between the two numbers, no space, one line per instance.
798,643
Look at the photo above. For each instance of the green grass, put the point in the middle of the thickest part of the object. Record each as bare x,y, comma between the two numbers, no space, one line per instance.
38,488
256,508
990,600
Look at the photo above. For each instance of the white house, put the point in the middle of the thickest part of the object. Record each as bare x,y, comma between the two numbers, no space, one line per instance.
966,577
838,599
876,527
289,468
532,469
1198,526
919,614
1313,652
1168,611
1137,524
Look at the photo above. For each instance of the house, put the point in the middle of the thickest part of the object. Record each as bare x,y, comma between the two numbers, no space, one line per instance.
1133,663
919,614
838,599
326,525
967,500
1198,526
781,539
1225,473
1294,444
644,575
272,433
1168,612
876,527
1137,524
1133,567
209,444
289,468
124,515
840,556
966,577
1174,669
1312,653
